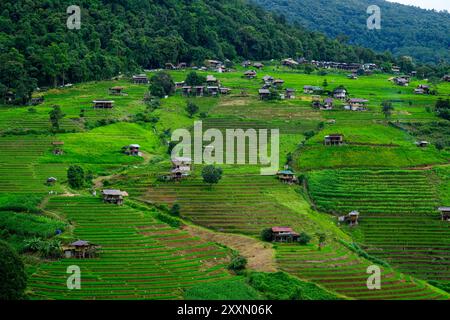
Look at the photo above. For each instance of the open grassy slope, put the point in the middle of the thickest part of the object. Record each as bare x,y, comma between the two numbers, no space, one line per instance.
142,257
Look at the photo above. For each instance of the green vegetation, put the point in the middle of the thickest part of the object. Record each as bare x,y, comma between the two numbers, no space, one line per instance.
223,290
423,37
13,279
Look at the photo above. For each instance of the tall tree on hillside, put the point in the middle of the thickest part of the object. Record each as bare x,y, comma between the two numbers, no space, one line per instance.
387,108
191,108
194,79
211,174
161,85
75,177
55,116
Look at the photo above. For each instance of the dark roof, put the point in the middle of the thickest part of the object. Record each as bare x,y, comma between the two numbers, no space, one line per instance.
264,91
112,192
80,243
288,172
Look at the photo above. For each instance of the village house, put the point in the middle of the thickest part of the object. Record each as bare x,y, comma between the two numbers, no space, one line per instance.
278,83
340,93
395,69
445,213
284,234
224,90
351,218
264,94
267,79
211,80
246,64
290,93
287,176
186,90
179,84
258,65
422,89
170,66
250,74
213,63
327,104
213,90
402,81
51,180
103,104
140,79
57,147
181,167
36,101
315,101
333,139
352,76
81,250
422,144
289,62
312,90
356,104
116,91
114,196
198,91
132,150
182,65
446,78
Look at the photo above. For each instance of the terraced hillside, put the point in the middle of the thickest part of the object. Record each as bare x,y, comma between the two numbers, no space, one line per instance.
141,258
399,221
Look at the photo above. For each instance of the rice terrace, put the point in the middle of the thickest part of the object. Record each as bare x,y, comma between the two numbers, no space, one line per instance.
100,199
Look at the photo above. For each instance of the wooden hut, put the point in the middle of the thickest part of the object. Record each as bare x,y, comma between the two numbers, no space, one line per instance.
224,90
290,93
250,74
287,176
186,90
422,144
103,104
81,250
284,234
116,91
57,147
36,101
199,91
51,180
114,196
264,94
278,82
132,150
327,104
183,163
445,213
213,90
211,80
334,139
140,79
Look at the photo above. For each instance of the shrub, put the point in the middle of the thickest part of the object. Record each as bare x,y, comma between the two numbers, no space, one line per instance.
13,279
304,238
175,210
238,263
161,85
211,174
191,109
266,234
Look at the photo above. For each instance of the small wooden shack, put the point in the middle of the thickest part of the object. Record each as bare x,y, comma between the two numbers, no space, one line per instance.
287,176
103,104
250,74
422,144
327,104
284,234
37,100
335,139
224,90
267,79
116,91
114,196
186,90
340,93
264,94
140,79
351,218
289,93
357,104
57,147
81,250
199,90
211,80
51,181
445,213
132,150
213,90
183,163
278,83
258,65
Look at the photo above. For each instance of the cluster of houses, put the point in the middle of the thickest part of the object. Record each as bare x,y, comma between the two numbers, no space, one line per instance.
211,88
248,64
367,67
270,82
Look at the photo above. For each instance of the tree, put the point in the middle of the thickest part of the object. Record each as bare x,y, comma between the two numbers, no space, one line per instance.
161,85
442,108
322,237
304,238
211,174
55,116
194,79
387,108
325,83
191,108
175,210
267,234
13,278
75,177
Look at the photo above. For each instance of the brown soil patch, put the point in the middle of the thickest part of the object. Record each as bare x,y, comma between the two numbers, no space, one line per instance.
260,256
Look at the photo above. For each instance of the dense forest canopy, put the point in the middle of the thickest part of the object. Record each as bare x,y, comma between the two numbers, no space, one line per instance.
405,30
37,48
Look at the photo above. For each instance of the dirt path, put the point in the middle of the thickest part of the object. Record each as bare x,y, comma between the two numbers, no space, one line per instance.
260,255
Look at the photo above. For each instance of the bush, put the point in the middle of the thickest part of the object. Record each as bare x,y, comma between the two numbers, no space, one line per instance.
75,177
266,234
304,238
238,263
211,174
175,210
49,249
161,85
13,279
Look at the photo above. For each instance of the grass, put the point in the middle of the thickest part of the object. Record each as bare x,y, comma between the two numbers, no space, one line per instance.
223,290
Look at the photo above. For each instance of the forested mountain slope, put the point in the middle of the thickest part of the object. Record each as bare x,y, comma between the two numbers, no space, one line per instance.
36,47
405,30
